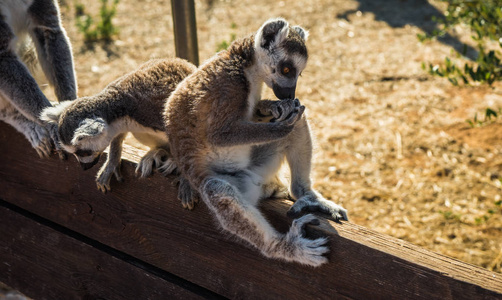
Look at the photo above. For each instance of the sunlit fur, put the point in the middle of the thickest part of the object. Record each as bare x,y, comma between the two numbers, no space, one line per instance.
230,160
33,47
133,103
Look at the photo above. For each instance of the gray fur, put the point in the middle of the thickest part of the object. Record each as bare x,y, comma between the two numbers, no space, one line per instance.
231,156
132,103
31,36
112,165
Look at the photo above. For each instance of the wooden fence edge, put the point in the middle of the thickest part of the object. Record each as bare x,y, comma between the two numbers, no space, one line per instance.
363,263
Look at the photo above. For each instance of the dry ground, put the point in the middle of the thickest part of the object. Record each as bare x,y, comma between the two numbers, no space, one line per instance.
393,146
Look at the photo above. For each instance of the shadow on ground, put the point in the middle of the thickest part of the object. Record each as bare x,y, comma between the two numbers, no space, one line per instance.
419,13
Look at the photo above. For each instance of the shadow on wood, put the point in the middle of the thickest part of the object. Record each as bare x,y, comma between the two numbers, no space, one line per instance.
60,238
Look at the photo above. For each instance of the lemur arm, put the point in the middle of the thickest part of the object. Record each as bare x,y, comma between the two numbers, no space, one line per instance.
112,164
53,48
234,132
16,82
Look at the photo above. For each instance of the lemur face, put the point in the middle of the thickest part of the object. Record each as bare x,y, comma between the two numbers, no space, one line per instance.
84,137
87,142
282,53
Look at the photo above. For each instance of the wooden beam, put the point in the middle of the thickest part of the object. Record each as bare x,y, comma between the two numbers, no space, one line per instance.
143,219
50,264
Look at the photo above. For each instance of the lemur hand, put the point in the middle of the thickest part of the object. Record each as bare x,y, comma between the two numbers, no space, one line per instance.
284,108
53,131
279,109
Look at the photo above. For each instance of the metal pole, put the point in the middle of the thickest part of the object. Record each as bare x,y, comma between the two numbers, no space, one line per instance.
185,30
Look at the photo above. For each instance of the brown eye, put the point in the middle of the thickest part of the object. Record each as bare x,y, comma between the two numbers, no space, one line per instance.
285,70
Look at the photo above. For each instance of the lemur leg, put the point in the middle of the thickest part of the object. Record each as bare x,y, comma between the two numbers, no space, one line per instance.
53,48
112,165
36,134
244,220
299,157
156,158
17,85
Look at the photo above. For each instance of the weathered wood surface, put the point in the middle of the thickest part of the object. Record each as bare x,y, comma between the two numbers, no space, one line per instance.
143,219
52,265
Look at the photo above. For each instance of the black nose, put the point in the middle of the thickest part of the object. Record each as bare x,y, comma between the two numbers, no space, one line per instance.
87,166
284,92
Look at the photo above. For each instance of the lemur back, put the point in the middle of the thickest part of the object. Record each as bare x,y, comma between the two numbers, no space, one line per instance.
132,103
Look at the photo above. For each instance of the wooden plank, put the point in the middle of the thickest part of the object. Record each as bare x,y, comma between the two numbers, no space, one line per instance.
47,264
143,219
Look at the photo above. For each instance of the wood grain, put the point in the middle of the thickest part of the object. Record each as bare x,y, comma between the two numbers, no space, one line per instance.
47,264
143,218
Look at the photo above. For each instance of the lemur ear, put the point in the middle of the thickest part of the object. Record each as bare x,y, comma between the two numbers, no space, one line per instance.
89,128
51,114
304,34
271,33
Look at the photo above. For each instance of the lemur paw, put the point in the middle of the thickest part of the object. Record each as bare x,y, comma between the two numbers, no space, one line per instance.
40,140
53,131
158,158
279,109
303,250
284,109
168,167
188,196
105,175
276,191
312,201
103,181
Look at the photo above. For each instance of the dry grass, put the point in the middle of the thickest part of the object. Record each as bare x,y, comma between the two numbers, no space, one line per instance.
393,144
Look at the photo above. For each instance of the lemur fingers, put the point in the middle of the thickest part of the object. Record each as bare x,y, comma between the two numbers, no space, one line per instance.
55,140
153,158
312,202
103,179
40,140
286,108
188,196
303,250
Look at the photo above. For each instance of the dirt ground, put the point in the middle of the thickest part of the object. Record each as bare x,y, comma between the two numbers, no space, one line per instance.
393,144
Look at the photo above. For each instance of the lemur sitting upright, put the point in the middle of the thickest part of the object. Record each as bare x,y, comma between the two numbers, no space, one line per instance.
232,161
133,103
32,36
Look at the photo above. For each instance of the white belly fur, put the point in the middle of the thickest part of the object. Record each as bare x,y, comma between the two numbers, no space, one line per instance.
145,135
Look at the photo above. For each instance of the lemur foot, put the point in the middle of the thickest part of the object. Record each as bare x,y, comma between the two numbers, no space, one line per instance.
40,139
187,195
313,201
297,248
276,191
104,176
158,158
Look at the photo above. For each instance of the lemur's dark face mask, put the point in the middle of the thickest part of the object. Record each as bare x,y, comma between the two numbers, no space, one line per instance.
87,158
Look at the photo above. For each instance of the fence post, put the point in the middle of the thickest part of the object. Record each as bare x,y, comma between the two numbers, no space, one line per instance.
185,30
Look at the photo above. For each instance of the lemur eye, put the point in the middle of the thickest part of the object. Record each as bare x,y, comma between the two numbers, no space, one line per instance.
285,70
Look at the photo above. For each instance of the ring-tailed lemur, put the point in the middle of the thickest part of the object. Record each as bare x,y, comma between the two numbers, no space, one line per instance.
133,103
31,36
232,161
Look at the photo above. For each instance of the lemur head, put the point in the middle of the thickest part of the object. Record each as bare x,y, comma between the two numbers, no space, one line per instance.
84,136
282,54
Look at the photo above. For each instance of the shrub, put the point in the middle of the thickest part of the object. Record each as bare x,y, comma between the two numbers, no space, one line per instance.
103,29
484,19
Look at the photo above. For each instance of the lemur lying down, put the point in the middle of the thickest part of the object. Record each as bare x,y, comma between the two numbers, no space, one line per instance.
132,103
